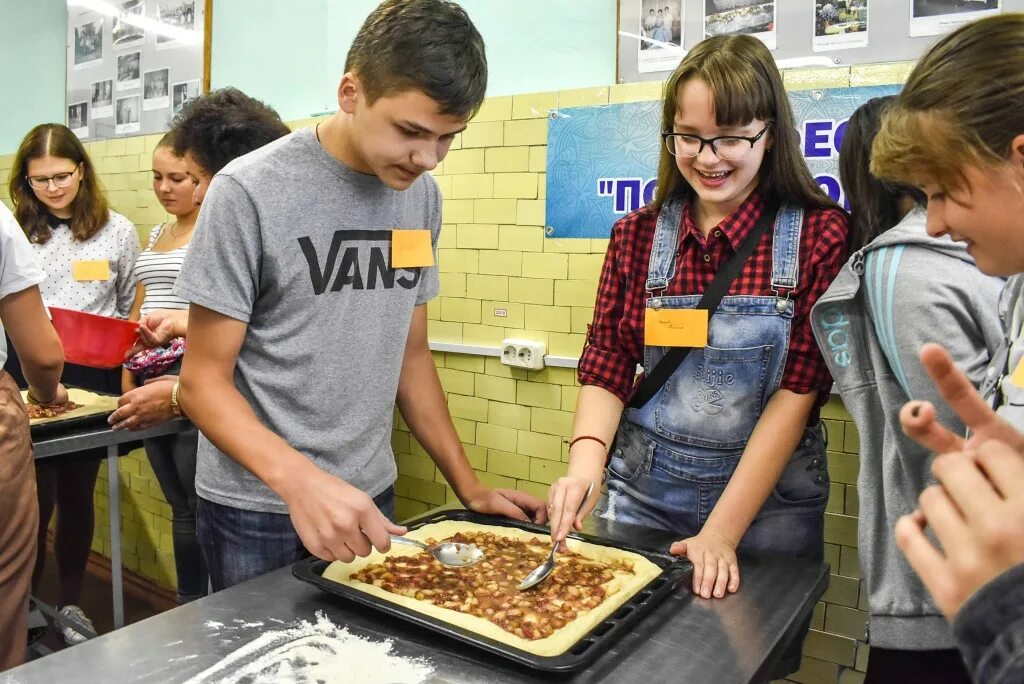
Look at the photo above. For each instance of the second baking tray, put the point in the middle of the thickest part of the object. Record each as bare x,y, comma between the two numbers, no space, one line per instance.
581,654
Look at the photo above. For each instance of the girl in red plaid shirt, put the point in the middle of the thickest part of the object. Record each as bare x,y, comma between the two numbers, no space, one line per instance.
729,453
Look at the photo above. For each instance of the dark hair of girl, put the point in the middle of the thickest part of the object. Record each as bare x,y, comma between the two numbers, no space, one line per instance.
874,204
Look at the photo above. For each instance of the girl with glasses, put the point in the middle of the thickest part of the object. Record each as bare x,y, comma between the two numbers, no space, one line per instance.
729,453
87,252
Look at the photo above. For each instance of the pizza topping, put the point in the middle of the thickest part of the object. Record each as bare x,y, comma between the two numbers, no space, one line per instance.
35,411
489,588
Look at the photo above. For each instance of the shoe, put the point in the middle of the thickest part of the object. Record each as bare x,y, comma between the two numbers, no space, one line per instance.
73,636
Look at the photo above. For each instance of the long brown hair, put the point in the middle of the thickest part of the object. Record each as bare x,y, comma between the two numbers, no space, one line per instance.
961,106
89,211
746,85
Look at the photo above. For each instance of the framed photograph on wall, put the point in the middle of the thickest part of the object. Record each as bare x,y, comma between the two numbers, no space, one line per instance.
132,64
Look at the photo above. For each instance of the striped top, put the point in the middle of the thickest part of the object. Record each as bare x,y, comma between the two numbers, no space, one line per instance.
157,271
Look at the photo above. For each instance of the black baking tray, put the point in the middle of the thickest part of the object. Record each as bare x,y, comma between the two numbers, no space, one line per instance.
67,426
584,652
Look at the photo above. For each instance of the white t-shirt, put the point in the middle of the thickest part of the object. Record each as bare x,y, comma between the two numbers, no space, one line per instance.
117,243
19,268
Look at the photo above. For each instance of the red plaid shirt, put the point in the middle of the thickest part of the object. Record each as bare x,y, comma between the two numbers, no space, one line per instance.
615,341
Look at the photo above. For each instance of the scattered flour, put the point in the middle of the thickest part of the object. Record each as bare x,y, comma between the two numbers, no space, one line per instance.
183,658
213,624
311,653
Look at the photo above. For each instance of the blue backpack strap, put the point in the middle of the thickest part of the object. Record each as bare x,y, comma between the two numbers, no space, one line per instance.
662,264
786,249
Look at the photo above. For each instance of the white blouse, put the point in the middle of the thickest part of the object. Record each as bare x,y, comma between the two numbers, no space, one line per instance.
157,271
117,243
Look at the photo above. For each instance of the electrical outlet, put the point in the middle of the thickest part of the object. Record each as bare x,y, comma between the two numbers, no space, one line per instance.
523,354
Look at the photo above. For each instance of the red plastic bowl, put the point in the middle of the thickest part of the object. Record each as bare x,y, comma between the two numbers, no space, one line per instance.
93,340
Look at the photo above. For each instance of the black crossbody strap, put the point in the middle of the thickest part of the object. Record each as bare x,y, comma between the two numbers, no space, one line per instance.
712,297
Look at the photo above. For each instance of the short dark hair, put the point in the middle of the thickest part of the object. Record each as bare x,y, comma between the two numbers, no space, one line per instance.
222,125
426,45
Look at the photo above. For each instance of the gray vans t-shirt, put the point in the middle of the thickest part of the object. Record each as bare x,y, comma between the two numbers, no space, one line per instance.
297,244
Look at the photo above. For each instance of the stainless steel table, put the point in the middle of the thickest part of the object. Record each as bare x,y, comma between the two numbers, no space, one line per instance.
685,639
92,438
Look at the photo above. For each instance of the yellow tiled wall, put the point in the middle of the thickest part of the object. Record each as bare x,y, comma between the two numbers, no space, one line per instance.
494,256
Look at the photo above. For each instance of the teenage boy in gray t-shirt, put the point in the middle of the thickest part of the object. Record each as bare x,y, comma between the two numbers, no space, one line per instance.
308,277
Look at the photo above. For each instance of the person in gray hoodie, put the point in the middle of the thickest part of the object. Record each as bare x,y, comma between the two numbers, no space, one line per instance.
900,289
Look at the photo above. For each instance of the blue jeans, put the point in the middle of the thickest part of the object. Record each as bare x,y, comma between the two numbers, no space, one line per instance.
173,458
653,486
240,544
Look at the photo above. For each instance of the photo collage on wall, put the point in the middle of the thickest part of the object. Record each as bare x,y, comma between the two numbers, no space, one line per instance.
660,33
130,73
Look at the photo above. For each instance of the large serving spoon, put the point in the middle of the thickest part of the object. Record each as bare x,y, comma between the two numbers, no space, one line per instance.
453,554
541,572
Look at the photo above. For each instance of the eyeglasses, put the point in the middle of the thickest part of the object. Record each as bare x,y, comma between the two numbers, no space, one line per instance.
729,147
60,180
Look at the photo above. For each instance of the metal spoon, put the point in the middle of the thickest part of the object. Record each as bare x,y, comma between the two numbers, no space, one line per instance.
541,572
453,554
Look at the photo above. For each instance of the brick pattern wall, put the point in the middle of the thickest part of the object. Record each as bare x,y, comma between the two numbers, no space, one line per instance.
493,256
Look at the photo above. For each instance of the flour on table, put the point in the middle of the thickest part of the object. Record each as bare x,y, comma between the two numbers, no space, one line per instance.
311,653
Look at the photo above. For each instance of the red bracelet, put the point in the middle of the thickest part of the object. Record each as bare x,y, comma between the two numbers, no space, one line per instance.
581,437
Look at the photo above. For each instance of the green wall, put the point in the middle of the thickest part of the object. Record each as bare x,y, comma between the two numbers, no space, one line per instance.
290,53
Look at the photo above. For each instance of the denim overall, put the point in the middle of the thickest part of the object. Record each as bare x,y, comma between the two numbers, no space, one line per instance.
674,456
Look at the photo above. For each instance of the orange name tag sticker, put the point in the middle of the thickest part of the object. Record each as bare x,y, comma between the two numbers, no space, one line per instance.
411,248
676,328
1018,374
98,269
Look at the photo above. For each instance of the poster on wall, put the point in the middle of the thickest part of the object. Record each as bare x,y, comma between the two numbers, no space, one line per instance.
155,90
88,43
661,32
125,29
729,17
103,99
132,64
127,115
129,68
177,14
839,24
182,93
602,162
935,17
78,119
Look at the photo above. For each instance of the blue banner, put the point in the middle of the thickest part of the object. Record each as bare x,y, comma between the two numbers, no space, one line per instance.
602,162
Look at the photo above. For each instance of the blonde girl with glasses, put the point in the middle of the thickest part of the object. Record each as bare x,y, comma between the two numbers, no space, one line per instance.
729,453
87,252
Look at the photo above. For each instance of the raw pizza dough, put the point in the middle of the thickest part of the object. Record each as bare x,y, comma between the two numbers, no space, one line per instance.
89,403
556,644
